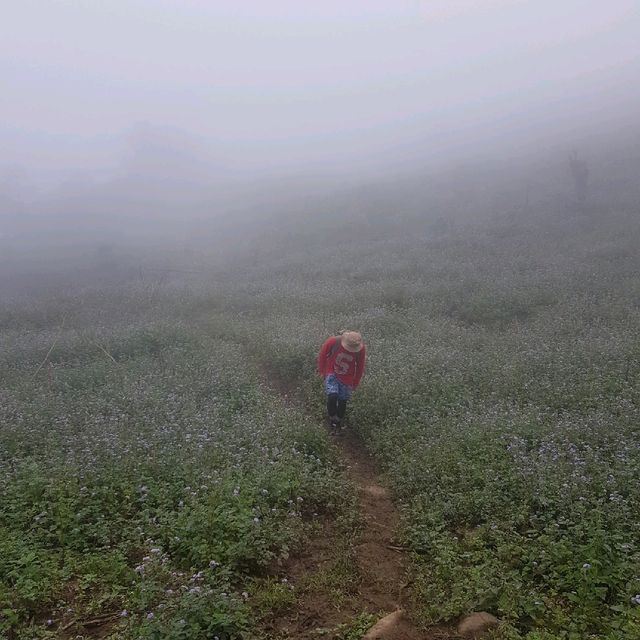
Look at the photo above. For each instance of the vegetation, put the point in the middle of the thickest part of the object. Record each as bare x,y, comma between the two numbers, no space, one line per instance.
149,474
146,475
501,399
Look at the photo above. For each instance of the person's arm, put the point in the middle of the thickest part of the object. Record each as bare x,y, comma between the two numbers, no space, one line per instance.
322,354
361,357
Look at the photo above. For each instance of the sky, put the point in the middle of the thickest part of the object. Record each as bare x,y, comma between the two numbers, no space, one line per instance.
269,87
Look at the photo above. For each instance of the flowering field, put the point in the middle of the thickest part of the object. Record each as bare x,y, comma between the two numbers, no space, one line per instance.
146,475
502,399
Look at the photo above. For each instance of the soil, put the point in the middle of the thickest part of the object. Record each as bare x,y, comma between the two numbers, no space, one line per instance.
379,562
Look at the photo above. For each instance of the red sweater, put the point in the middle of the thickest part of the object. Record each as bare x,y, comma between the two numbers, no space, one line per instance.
347,366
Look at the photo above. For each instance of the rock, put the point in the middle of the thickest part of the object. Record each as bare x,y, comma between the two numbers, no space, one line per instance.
475,625
383,629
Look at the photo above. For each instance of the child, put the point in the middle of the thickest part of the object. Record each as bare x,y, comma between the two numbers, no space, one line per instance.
341,363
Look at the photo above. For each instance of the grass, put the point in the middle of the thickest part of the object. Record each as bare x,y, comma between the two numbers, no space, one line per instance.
156,472
336,579
353,630
501,400
148,486
272,597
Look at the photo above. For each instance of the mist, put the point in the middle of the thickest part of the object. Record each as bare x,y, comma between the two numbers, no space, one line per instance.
142,118
320,319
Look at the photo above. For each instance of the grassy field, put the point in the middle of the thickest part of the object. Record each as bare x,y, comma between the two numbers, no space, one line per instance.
150,475
501,399
147,475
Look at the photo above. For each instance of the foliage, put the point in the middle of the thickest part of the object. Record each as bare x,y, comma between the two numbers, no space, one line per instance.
501,398
147,482
147,467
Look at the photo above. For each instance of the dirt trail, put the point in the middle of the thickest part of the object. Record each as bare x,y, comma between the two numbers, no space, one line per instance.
378,563
377,551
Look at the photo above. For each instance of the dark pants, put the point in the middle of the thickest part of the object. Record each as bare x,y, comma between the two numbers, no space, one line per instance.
336,407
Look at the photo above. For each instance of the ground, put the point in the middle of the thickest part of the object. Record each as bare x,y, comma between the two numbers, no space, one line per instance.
158,484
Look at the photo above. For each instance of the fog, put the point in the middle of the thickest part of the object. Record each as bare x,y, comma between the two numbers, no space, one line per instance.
147,116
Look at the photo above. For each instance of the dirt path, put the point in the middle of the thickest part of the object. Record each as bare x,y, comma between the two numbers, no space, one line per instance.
380,559
346,582
377,551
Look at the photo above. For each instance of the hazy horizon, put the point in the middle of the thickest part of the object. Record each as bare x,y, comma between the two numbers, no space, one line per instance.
200,103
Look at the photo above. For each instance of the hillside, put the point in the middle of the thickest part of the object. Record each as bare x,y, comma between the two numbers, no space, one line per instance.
156,484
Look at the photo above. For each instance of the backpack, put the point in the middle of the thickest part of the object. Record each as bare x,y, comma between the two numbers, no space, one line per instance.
334,347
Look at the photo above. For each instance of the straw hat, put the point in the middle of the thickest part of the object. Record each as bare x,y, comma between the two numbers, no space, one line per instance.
351,341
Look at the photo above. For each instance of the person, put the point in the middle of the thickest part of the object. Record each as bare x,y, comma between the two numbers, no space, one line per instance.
341,363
